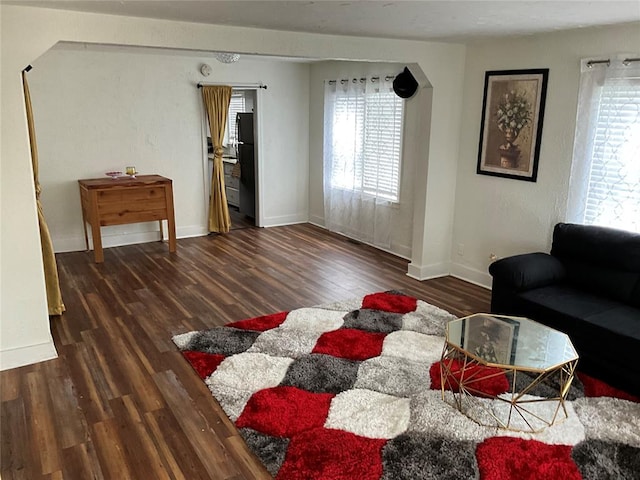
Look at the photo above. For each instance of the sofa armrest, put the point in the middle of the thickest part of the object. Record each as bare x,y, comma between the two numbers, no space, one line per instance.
524,272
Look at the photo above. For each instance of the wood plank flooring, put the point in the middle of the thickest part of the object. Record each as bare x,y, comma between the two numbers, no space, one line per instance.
121,403
239,220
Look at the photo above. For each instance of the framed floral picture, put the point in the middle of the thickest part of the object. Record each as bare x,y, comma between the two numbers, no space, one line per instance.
511,128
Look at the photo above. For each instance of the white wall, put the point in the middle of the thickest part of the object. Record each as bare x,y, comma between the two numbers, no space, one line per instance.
503,216
402,213
98,109
27,33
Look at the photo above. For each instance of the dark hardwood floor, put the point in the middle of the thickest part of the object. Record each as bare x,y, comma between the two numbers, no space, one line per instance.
239,220
120,402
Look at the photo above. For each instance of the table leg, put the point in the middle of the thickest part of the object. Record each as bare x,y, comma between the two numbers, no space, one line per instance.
86,237
95,228
171,221
161,232
83,201
97,242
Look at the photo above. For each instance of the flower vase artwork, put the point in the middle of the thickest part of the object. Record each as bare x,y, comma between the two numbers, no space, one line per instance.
512,115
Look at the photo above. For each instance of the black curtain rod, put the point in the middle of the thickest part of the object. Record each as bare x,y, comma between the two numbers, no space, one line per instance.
27,68
243,87
362,80
607,62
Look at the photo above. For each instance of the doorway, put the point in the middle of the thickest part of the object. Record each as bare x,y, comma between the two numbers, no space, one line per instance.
240,158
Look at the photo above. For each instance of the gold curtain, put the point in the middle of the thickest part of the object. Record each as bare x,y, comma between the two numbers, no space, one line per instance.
216,101
54,297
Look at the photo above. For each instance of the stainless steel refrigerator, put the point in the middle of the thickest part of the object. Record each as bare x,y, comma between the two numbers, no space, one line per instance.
245,154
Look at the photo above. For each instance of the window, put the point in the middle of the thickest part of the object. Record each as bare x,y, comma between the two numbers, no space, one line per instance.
237,105
606,170
363,137
614,182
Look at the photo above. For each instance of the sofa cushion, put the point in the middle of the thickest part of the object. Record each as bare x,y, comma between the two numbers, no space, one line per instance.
607,247
603,331
600,260
622,320
572,303
615,284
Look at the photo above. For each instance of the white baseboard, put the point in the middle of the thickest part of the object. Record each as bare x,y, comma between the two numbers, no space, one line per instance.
190,231
402,251
397,250
68,243
75,243
119,240
21,356
471,275
427,272
316,220
284,220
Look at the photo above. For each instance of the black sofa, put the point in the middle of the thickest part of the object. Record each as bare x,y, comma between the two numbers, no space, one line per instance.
589,288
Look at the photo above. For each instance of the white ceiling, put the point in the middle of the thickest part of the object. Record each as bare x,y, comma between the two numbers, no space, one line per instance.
452,20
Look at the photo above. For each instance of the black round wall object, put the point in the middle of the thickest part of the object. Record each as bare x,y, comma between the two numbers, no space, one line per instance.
405,85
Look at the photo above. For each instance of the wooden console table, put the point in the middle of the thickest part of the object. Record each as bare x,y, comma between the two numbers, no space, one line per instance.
108,201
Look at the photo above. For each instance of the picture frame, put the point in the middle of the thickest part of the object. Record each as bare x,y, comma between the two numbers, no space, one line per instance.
494,339
511,127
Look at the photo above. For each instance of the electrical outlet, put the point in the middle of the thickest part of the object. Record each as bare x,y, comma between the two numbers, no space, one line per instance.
460,249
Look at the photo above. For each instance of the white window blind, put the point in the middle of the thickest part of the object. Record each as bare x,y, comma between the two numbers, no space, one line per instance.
382,143
237,105
366,143
613,192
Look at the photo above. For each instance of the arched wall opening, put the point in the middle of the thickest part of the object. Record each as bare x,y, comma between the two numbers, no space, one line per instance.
27,33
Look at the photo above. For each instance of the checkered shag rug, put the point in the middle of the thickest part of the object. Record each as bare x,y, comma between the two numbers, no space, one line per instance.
351,390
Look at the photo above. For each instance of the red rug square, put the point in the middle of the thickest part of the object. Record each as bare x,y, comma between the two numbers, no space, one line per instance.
203,363
325,454
350,343
285,411
389,302
261,324
490,381
501,458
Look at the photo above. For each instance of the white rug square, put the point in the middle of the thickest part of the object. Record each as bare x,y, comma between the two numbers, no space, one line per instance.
369,414
314,320
413,346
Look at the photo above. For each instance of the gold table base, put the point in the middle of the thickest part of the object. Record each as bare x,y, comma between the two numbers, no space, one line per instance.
518,409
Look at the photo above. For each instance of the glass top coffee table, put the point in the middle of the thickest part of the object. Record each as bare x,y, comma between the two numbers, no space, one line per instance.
507,372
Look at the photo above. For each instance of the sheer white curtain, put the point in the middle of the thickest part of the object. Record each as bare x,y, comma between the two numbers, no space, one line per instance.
362,158
605,173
